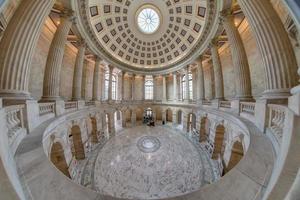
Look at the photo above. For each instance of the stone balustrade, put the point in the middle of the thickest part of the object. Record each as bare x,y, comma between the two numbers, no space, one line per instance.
71,105
247,107
89,103
225,104
276,118
207,103
46,108
15,125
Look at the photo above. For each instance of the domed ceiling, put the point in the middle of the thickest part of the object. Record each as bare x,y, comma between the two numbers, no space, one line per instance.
150,35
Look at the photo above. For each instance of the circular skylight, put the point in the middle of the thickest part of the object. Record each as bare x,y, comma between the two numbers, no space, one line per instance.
148,20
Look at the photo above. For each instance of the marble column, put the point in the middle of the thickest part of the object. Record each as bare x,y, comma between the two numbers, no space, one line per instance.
164,97
18,45
187,88
175,95
239,58
78,71
123,86
52,74
180,87
219,85
200,80
110,68
133,87
96,86
274,46
154,87
143,87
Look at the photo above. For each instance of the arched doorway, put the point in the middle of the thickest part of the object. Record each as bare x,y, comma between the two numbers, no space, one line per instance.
169,115
237,153
94,132
218,143
57,157
128,114
78,147
191,122
204,129
179,117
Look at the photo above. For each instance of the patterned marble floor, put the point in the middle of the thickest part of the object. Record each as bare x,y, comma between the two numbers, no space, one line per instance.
122,169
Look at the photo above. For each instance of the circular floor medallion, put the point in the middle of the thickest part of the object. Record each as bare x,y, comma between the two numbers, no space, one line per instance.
148,144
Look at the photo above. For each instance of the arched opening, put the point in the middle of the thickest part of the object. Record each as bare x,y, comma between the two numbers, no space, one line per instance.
118,119
94,132
57,157
191,122
179,117
169,115
218,143
204,129
128,114
237,153
148,117
77,147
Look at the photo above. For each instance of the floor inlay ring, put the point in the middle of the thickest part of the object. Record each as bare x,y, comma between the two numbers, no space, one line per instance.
148,144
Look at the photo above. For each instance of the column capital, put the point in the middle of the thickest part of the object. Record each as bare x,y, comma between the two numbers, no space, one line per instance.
214,43
97,59
67,13
81,43
111,68
226,14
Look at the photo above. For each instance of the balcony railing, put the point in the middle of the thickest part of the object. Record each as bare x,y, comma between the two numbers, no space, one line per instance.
71,105
15,125
276,120
247,107
225,104
89,103
46,108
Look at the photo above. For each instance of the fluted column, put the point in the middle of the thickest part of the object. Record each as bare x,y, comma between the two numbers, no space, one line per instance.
17,46
274,46
175,95
164,97
143,87
78,71
219,85
187,88
239,58
123,87
111,68
133,87
200,77
55,58
154,87
180,87
96,86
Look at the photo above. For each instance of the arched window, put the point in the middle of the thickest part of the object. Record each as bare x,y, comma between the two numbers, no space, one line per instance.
113,85
190,87
148,88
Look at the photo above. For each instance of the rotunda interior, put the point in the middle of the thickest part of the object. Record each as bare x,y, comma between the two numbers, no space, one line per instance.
149,99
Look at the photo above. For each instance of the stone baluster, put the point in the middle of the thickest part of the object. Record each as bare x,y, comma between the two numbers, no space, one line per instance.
17,47
51,83
217,67
78,71
274,46
96,86
239,58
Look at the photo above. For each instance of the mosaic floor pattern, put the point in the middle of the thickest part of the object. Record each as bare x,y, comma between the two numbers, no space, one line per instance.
149,163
